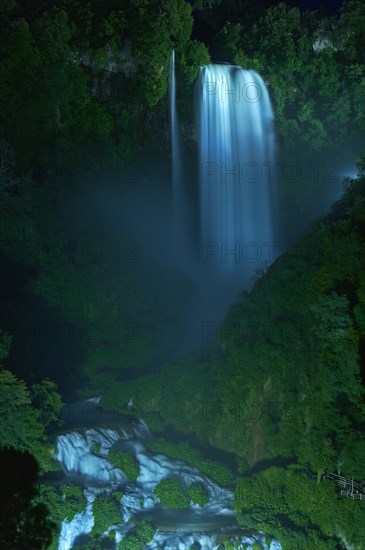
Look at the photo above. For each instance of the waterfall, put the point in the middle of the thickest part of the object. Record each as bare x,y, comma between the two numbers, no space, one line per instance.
74,453
236,159
175,138
83,454
81,524
180,247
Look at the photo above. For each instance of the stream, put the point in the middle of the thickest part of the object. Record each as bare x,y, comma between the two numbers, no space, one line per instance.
82,451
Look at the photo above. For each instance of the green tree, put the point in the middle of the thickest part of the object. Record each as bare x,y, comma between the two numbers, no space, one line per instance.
5,344
22,523
350,31
338,342
46,398
22,424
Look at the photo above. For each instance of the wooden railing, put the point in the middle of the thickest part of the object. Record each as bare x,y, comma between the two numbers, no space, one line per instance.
349,487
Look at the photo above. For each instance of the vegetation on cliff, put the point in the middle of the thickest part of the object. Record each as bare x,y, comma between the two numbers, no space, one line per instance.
84,87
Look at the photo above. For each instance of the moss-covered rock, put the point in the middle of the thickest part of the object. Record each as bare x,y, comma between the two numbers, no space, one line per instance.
138,538
124,461
106,513
171,494
198,494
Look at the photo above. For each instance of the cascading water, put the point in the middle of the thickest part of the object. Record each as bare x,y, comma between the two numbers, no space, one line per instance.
175,138
236,154
83,454
237,194
179,244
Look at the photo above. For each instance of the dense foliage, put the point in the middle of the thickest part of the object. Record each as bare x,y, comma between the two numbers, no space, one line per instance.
64,502
313,63
299,512
286,383
26,412
90,62
83,116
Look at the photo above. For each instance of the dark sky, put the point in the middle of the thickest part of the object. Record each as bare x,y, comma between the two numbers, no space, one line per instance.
331,6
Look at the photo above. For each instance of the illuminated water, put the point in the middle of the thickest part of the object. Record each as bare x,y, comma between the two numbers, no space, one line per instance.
236,167
205,526
181,250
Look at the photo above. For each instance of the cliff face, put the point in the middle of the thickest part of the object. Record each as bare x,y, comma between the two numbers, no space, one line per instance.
119,78
104,63
288,388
